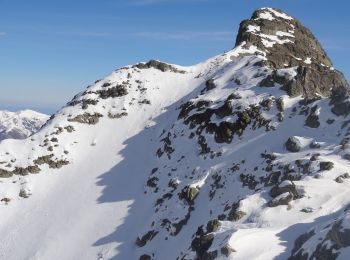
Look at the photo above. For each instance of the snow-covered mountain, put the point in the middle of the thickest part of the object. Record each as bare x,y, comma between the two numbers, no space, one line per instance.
21,124
243,156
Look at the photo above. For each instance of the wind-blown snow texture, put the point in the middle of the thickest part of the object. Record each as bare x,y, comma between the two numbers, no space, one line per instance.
243,156
21,124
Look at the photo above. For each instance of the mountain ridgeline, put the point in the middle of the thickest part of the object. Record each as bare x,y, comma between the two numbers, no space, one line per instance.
243,156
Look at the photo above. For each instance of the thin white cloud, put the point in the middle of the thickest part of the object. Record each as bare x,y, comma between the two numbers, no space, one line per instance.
2,33
336,48
94,34
212,35
151,2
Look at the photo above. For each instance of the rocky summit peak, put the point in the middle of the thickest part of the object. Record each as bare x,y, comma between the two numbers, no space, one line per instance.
284,39
285,43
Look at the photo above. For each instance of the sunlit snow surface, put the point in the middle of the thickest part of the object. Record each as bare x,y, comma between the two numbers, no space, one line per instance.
96,206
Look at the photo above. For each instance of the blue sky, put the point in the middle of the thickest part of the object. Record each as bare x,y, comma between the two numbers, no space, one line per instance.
52,49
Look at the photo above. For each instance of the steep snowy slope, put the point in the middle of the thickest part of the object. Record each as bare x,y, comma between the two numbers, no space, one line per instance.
243,156
21,124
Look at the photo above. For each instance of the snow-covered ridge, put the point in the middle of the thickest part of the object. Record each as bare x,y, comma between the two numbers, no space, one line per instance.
159,161
21,124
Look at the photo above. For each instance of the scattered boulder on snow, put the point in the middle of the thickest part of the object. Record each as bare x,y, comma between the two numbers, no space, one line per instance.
189,194
280,104
282,199
47,159
293,144
159,66
117,115
285,186
209,85
86,118
315,145
143,240
201,244
312,120
224,132
5,200
235,214
225,109
113,92
267,103
213,225
340,178
226,250
283,193
326,166
145,257
24,193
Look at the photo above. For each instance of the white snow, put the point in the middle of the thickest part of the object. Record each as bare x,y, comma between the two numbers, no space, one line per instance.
96,206
308,60
287,34
20,124
266,16
252,28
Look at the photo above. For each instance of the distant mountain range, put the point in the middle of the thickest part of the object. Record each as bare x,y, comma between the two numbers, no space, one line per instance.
21,124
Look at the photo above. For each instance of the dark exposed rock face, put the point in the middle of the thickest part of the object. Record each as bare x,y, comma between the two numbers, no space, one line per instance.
202,243
86,118
287,43
159,66
209,85
302,45
116,91
312,120
142,241
339,101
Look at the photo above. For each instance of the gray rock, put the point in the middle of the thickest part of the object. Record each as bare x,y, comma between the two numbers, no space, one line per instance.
189,194
226,250
293,144
340,178
235,214
277,190
280,104
315,145
145,257
312,79
143,240
312,120
213,225
159,66
201,244
209,85
5,173
282,199
86,118
326,166
24,194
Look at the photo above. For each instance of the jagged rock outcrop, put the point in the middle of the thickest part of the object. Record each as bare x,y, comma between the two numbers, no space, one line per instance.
286,43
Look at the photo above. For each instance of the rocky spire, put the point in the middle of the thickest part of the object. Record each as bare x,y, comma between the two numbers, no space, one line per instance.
285,42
